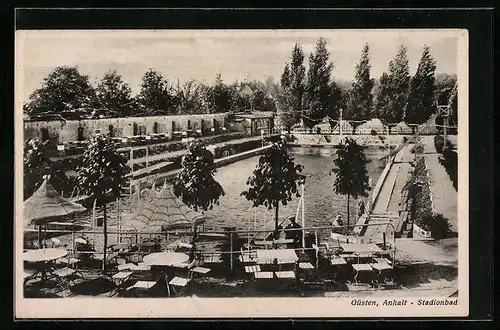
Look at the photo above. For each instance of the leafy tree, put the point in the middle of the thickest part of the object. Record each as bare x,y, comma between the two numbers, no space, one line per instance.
421,96
351,176
297,78
286,115
275,179
64,89
196,183
156,95
102,175
114,95
393,91
399,73
190,98
445,83
384,100
285,80
338,99
218,96
37,165
359,106
318,84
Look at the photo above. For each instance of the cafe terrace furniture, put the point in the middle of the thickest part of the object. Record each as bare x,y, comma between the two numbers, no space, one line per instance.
181,281
166,259
252,269
281,256
43,260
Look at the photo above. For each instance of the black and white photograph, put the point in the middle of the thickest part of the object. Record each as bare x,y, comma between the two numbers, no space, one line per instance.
232,173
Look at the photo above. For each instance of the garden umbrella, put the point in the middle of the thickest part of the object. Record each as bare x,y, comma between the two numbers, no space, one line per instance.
167,211
47,205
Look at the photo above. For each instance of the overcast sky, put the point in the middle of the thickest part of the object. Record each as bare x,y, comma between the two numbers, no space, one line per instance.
199,55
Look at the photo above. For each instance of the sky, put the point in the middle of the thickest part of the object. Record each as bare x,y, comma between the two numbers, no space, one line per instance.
201,54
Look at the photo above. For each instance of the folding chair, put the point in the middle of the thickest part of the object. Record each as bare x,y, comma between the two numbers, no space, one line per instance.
180,281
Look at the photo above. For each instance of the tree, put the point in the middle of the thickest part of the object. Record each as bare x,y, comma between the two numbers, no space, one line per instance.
360,102
392,97
285,80
318,84
421,96
445,83
64,89
351,176
218,96
384,100
399,73
286,116
114,95
297,79
275,179
338,99
101,175
190,98
195,182
37,165
156,95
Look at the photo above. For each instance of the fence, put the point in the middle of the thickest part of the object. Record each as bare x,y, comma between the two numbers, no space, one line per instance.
228,234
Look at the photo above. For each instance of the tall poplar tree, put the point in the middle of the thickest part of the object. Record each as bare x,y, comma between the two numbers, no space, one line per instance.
360,101
399,73
297,79
421,96
318,87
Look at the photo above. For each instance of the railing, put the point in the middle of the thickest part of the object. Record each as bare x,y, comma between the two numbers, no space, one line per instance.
229,234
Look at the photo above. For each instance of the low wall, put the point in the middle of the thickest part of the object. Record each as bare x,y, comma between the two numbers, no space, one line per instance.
334,140
66,131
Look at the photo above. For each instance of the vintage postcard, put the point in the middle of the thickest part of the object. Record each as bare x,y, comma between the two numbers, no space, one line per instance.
232,173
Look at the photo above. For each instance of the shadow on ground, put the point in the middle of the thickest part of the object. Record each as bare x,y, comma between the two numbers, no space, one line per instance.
414,275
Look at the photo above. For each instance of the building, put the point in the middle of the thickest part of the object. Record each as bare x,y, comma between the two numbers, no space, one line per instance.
251,123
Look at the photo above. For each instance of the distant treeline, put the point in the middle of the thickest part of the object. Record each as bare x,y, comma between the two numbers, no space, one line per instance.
300,96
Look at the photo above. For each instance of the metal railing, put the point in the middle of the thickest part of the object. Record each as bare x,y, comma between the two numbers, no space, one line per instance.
230,234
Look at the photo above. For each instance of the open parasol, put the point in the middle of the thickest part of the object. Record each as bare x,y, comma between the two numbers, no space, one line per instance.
167,211
47,205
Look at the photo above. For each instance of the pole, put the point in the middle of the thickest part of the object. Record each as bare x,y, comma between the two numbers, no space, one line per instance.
73,242
444,127
317,246
340,125
105,229
147,156
303,218
231,251
132,160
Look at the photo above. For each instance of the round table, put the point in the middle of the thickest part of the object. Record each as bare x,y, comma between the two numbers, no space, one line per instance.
43,259
165,258
44,255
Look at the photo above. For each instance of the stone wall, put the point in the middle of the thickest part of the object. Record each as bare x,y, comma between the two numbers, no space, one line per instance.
62,131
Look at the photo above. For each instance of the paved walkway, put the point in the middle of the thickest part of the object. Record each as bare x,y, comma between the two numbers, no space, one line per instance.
444,196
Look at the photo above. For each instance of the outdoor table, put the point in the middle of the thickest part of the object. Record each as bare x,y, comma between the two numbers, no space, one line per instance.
43,258
360,248
285,274
282,256
165,258
265,275
362,267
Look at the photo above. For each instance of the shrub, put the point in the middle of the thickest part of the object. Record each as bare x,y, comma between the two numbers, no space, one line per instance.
437,224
